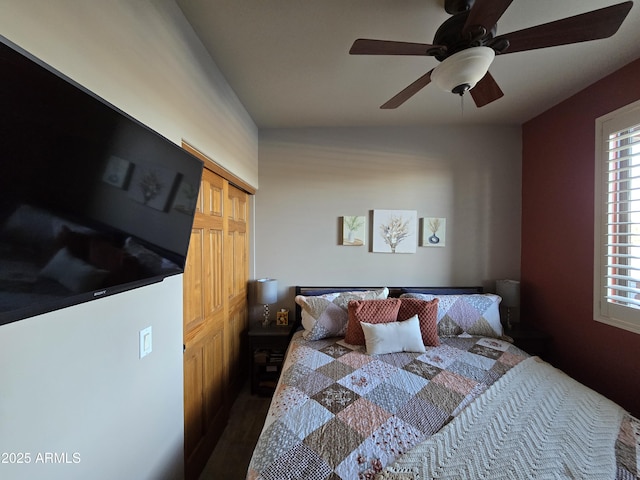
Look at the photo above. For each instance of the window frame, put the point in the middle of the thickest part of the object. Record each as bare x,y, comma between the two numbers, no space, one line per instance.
604,311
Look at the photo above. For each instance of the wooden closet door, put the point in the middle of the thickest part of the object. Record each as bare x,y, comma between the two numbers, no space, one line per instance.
237,273
206,329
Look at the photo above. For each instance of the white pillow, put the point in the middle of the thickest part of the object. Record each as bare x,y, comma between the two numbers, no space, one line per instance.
393,337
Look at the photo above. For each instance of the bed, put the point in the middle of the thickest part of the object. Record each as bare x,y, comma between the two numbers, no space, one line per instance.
470,405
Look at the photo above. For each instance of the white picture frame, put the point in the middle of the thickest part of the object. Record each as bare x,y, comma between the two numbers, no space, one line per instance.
395,231
354,230
434,232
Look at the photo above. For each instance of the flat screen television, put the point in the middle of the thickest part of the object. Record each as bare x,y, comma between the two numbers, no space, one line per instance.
92,202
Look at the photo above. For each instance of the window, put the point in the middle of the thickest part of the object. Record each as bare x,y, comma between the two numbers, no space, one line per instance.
617,221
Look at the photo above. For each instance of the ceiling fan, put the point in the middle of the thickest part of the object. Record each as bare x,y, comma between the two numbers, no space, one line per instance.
466,44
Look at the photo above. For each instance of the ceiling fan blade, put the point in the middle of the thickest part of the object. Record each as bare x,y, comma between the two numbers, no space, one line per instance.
408,92
485,13
601,23
365,46
486,91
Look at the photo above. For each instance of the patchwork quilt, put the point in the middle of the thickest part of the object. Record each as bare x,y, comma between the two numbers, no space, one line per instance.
340,414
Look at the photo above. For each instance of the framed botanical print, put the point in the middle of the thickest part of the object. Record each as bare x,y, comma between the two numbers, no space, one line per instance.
395,231
434,232
353,230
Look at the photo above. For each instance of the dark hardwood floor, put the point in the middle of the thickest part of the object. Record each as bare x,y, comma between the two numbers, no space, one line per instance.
232,454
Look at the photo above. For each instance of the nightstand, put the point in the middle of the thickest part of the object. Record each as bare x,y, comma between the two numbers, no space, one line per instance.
267,346
529,339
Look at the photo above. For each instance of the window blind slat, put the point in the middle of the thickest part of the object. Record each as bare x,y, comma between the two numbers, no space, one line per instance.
629,132
630,290
631,205
618,224
622,278
630,302
613,256
624,144
615,186
627,157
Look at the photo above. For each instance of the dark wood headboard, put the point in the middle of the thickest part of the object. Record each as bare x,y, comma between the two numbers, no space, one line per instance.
393,292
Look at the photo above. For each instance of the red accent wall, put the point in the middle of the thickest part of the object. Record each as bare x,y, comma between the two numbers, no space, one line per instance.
557,240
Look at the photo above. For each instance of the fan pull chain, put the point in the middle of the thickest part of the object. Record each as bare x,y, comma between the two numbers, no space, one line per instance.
462,105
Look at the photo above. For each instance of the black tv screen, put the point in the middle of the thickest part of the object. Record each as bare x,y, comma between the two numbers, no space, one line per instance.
92,202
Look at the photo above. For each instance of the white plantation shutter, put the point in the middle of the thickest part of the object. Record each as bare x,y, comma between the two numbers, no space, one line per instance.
617,262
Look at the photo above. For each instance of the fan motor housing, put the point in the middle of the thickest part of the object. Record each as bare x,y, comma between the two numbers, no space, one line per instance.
457,6
450,35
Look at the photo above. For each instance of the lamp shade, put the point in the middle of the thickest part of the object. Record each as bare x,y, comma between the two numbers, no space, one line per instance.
266,291
509,290
462,70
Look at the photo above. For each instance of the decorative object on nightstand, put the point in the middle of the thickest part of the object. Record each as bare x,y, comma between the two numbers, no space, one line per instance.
282,317
266,293
509,290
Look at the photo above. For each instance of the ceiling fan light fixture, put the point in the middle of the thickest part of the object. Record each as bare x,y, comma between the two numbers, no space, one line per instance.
462,70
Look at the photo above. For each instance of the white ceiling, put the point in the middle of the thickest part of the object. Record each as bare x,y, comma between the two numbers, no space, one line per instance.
288,61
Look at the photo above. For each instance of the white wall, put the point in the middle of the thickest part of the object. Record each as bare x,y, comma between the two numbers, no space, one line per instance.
71,380
143,57
72,383
309,178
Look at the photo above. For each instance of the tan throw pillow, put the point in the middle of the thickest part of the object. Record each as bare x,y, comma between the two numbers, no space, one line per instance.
369,311
427,312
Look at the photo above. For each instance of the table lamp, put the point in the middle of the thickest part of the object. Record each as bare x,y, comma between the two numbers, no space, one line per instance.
266,293
509,290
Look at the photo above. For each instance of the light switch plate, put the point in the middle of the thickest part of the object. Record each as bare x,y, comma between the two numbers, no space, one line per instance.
146,342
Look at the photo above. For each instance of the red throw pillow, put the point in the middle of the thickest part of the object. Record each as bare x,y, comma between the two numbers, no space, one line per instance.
427,311
369,311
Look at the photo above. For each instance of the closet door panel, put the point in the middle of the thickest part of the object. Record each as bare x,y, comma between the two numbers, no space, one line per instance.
206,364
215,315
